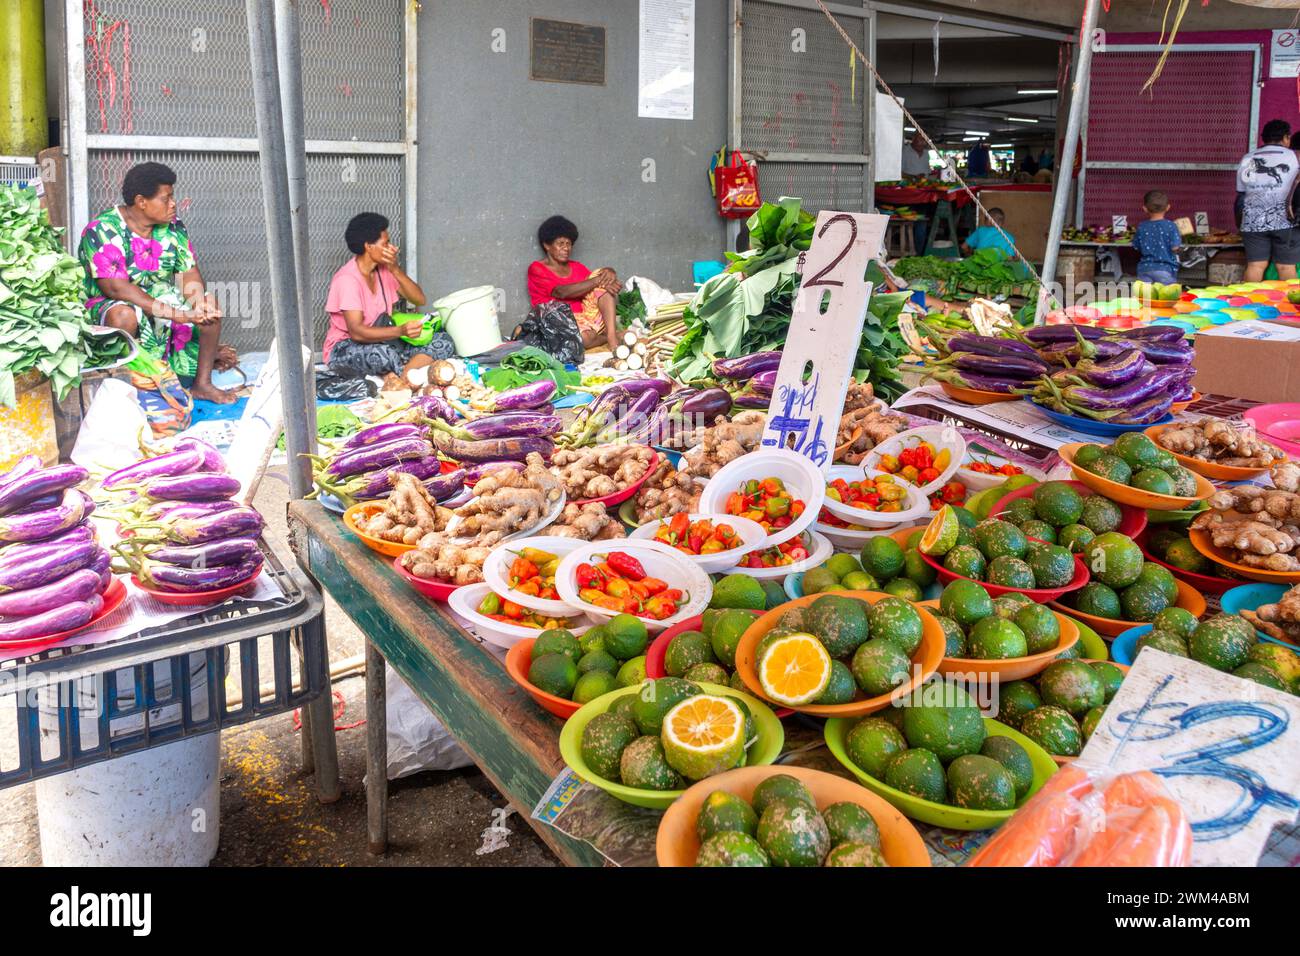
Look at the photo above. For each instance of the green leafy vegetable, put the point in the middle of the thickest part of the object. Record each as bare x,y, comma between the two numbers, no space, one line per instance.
529,365
630,307
332,421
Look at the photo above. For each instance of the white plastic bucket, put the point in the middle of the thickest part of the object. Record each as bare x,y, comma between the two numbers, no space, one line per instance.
158,807
470,318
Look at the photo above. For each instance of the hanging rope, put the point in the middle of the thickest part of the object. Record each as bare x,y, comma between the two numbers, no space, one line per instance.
948,164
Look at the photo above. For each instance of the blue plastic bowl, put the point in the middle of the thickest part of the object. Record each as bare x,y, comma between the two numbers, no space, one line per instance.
1091,426
1266,311
1209,304
1124,648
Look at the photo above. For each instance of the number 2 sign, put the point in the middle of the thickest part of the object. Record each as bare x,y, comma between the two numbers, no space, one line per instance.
825,329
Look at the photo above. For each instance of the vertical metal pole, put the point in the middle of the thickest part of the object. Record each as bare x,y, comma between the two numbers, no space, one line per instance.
288,48
299,405
1065,162
868,88
410,223
376,752
74,105
734,86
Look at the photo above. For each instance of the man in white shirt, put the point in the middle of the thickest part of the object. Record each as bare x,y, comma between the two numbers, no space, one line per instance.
1265,179
916,158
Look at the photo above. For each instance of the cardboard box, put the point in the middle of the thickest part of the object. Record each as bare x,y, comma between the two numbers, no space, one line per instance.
1253,359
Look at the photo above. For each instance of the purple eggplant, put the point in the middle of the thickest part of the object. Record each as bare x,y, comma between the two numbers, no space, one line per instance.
64,618
1164,353
745,367
236,523
77,586
1047,334
180,462
19,551
1116,371
706,405
492,449
38,484
764,382
435,406
525,396
1182,392
200,486
513,425
440,486
40,504
210,554
46,565
1069,353
973,380
1155,333
751,400
168,577
475,472
373,457
989,345
629,421
212,459
377,484
68,513
186,509
660,386
23,466
1145,413
381,434
1110,399
547,409
100,562
1002,366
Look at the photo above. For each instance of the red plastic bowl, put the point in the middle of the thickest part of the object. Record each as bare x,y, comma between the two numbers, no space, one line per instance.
1039,595
438,590
1131,524
654,654
518,659
114,595
1205,583
195,598
618,497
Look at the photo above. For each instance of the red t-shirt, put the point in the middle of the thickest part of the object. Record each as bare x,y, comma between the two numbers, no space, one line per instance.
542,282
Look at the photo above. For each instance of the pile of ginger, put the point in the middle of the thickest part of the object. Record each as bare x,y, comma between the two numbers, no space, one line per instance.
597,472
1223,442
1258,527
1280,620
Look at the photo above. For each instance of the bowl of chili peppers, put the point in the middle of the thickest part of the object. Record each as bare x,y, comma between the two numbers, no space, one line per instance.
524,569
773,562
926,457
647,579
985,470
504,623
713,541
781,490
874,499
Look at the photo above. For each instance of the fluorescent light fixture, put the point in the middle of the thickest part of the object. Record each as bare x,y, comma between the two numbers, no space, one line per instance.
970,139
976,132
909,129
1045,91
1001,145
1021,119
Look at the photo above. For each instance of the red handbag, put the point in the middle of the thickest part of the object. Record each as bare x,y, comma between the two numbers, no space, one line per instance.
737,192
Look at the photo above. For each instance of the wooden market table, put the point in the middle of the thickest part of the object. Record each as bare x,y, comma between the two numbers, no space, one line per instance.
512,740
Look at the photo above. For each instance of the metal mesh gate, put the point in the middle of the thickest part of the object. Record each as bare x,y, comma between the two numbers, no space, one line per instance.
174,85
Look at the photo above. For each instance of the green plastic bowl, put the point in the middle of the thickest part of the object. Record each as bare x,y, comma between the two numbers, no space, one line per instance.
941,814
764,750
1091,644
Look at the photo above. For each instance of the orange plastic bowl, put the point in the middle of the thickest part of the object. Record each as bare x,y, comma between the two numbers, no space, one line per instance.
368,509
1125,495
1131,523
1201,542
925,661
1189,599
677,845
618,497
1201,583
975,396
518,659
1209,469
1011,668
1178,407
1038,595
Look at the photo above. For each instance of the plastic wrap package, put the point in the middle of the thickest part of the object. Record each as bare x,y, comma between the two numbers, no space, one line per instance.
1091,816
417,740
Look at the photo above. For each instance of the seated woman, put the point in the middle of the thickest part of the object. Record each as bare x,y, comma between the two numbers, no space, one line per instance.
363,294
559,278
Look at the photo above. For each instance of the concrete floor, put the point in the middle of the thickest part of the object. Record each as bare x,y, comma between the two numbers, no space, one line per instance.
269,812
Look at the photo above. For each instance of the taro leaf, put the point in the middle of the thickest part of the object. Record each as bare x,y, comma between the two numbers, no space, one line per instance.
8,397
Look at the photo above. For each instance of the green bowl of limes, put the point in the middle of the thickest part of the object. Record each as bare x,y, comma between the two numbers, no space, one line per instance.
930,811
769,737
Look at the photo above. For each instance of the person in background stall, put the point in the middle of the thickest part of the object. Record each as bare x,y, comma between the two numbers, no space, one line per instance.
977,160
363,294
1266,178
1157,241
986,237
1028,164
916,158
141,277
558,277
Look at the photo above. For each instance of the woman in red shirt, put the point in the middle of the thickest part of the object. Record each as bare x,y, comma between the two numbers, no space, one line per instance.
558,278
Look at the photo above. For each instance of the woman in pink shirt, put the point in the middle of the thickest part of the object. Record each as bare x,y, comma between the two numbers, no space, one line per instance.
559,278
365,291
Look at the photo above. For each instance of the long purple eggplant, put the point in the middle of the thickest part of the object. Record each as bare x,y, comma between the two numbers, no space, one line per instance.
77,586
1002,366
1116,371
1069,353
186,509
46,566
38,484
547,409
989,345
168,577
973,380
764,382
212,458
1108,399
55,621
492,449
210,554
439,486
512,425
180,462
706,404
1155,333
377,484
629,421
475,472
660,386
236,523
380,434
1181,392
374,457
19,551
751,400
1047,334
23,466
200,486
1165,353
745,367
525,396
435,406
68,513
1147,412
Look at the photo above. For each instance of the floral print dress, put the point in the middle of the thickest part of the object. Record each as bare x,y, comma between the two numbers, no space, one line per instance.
110,250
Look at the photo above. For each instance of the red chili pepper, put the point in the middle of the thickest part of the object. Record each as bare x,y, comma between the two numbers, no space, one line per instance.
588,577
626,565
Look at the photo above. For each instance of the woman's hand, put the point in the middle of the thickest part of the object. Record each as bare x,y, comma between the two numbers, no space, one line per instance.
412,329
388,255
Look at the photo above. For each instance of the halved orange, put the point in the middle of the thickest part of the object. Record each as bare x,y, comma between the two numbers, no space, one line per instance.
704,735
795,670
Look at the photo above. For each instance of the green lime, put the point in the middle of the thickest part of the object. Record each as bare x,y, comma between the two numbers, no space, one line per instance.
965,602
940,535
895,619
1114,559
1100,514
816,580
872,742
1142,602
1098,600
1057,503
1015,700
738,590
731,848
1182,554
841,689
1088,454
1073,686
953,637
1008,572
917,569
842,564
593,684
728,628
918,772
625,636
707,673
1153,480
557,641
686,650
632,672
904,588
1075,538
997,538
1041,628
597,661
965,561
883,557
603,741
879,666
554,673
1137,450
996,638
840,623
860,581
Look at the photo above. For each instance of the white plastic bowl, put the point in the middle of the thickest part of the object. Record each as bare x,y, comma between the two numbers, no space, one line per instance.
465,601
802,478
496,571
979,481
544,522
847,539
916,505
660,561
751,535
819,550
940,436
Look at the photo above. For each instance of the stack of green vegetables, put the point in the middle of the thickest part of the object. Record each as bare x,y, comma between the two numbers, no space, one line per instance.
530,365
43,322
747,308
985,272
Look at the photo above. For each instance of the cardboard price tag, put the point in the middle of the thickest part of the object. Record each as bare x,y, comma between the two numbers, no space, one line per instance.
825,329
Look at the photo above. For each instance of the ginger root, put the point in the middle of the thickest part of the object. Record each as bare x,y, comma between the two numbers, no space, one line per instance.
725,442
1225,442
1283,505
589,522
1286,475
597,472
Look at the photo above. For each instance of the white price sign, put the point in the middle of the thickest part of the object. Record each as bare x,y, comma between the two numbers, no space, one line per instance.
1118,224
1202,223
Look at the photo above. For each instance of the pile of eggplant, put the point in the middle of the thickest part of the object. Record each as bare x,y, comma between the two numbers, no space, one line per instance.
182,533
644,411
519,422
53,571
985,363
751,378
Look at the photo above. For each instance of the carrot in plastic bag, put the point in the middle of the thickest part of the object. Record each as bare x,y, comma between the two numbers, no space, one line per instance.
1142,826
1042,832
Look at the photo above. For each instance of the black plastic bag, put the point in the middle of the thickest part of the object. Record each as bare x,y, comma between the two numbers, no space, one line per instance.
332,387
552,328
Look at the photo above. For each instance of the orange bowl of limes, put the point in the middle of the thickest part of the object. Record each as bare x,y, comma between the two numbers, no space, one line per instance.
808,666
1189,599
1010,668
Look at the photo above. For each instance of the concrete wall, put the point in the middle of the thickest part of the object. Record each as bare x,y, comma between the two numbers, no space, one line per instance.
500,152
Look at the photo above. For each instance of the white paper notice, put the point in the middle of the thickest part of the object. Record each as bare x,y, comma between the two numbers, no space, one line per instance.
890,140
667,60
1284,54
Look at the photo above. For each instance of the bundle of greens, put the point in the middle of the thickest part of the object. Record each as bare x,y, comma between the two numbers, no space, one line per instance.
985,272
529,365
43,322
332,422
629,308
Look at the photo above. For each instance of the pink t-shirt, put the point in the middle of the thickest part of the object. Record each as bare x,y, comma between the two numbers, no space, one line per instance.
542,282
349,292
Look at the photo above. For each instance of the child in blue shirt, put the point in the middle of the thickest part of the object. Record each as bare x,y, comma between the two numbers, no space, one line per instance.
986,237
1157,241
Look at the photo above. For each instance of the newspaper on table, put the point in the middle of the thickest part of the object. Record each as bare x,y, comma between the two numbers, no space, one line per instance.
1018,418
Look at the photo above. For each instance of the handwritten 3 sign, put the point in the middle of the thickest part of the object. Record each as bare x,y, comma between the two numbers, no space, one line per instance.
825,329
1224,746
